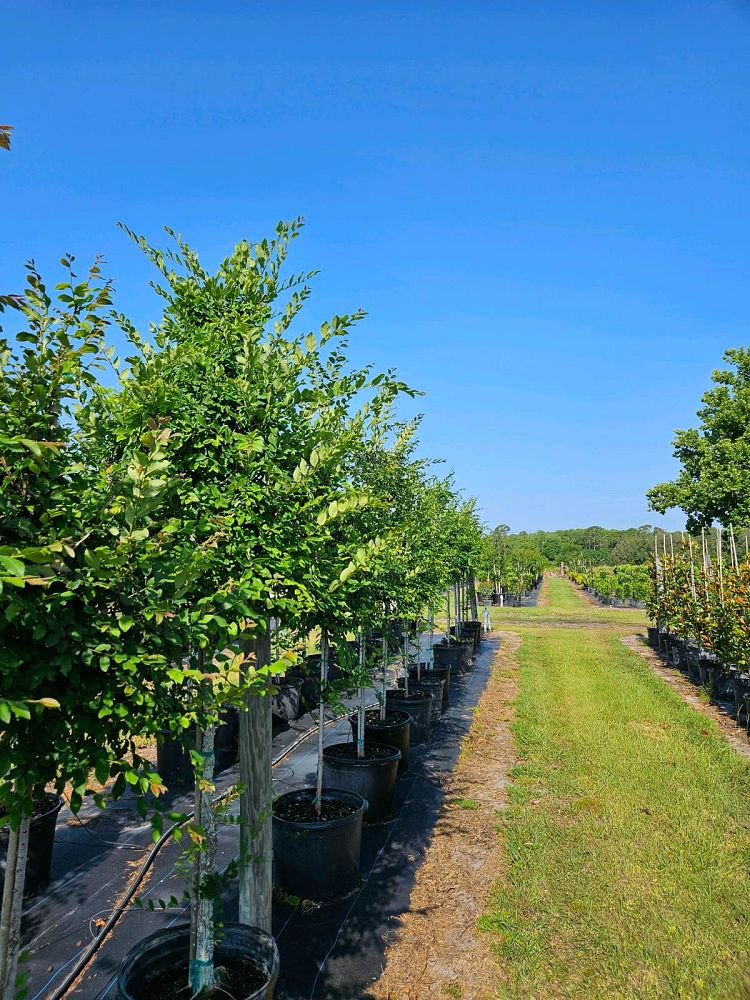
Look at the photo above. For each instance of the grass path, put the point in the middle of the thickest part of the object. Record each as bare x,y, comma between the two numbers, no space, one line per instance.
626,839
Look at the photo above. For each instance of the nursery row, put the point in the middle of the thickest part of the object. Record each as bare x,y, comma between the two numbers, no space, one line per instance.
178,527
727,684
700,602
618,586
704,598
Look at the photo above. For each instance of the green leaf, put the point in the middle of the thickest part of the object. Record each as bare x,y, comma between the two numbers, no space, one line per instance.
12,566
125,623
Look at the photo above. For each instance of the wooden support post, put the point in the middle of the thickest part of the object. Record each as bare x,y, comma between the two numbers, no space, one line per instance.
256,832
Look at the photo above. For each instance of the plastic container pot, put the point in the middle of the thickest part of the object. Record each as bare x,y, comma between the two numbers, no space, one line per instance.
692,655
432,687
319,860
393,731
173,761
41,845
740,691
286,701
435,674
419,706
164,952
447,655
374,778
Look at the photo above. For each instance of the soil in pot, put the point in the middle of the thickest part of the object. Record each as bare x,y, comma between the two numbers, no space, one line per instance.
393,731
41,843
247,964
372,776
238,979
317,859
304,811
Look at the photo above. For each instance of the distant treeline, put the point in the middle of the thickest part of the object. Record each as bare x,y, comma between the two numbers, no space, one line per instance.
595,546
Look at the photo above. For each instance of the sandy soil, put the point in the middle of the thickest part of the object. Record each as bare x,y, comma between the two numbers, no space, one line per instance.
438,951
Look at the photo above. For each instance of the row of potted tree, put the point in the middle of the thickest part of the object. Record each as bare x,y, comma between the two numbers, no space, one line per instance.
163,514
699,604
619,586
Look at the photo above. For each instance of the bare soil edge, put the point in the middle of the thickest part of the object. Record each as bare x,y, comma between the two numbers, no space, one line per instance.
690,693
438,951
542,600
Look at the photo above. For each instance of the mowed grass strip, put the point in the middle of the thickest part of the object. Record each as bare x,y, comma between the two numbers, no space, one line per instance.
627,837
562,595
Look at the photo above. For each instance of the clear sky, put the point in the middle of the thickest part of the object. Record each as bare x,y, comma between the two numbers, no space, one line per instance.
542,205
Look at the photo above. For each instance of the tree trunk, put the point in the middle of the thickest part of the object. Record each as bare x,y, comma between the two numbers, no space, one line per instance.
362,651
473,598
12,906
202,973
321,718
406,662
256,800
384,676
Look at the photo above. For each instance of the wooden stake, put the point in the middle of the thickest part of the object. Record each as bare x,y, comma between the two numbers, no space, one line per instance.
384,675
256,830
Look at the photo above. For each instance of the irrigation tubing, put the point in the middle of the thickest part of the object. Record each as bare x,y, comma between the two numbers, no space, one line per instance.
114,917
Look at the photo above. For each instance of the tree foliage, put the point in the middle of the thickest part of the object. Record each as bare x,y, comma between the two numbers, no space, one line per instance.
714,481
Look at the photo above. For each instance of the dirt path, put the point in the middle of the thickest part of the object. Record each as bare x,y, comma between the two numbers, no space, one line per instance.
438,952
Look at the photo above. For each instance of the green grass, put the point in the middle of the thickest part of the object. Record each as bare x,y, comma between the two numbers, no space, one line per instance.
627,835
562,596
567,606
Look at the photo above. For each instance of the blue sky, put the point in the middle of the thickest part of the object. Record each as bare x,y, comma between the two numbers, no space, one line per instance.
543,206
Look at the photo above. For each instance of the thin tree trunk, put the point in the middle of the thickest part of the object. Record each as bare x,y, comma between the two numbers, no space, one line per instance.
202,973
384,676
448,616
321,718
12,906
406,661
362,651
473,597
256,833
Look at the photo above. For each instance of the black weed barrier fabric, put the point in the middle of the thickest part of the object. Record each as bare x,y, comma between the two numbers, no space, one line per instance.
333,952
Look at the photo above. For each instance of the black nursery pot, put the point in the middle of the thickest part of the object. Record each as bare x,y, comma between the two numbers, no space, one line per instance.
448,655
393,731
319,859
475,627
432,687
41,843
465,657
419,706
372,776
173,761
436,673
161,960
692,655
740,690
704,663
653,636
286,701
